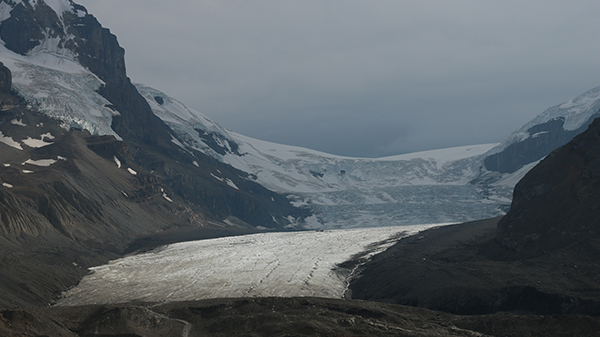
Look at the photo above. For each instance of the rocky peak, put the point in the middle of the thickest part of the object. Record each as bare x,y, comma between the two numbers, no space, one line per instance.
64,29
26,25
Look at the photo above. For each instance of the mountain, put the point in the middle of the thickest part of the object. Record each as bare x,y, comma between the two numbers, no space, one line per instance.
70,102
71,69
344,192
263,184
541,257
87,168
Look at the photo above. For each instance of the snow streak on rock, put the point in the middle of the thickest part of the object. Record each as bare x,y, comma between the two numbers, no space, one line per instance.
259,265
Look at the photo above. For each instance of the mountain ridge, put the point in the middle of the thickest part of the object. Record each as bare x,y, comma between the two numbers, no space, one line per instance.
327,191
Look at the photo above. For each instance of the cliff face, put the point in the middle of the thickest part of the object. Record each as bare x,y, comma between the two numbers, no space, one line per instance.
558,202
5,79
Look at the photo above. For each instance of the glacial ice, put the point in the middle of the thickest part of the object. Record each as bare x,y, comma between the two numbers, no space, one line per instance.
280,264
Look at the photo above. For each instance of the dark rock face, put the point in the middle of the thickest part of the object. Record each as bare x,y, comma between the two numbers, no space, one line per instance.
543,139
558,202
5,79
214,140
22,31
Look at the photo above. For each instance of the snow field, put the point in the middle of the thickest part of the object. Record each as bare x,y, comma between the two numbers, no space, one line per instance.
259,265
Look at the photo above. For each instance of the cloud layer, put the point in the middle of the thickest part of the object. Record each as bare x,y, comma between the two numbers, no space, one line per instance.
362,78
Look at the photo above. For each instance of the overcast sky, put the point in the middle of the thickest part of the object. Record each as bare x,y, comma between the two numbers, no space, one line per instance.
362,78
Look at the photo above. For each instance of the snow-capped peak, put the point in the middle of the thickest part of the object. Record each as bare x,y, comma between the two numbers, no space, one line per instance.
45,64
575,113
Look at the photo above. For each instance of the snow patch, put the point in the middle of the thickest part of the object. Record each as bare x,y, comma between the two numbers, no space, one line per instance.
9,141
117,161
36,143
218,178
5,10
7,185
231,184
130,170
47,135
40,162
17,122
59,6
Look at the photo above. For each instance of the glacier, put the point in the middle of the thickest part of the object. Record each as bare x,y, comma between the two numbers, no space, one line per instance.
55,84
293,264
343,192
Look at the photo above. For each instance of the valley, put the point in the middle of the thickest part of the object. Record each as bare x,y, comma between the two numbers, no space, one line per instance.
124,212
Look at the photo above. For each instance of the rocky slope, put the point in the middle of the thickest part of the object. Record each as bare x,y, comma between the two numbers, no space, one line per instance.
556,204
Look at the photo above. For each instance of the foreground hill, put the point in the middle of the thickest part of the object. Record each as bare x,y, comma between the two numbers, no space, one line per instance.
281,317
